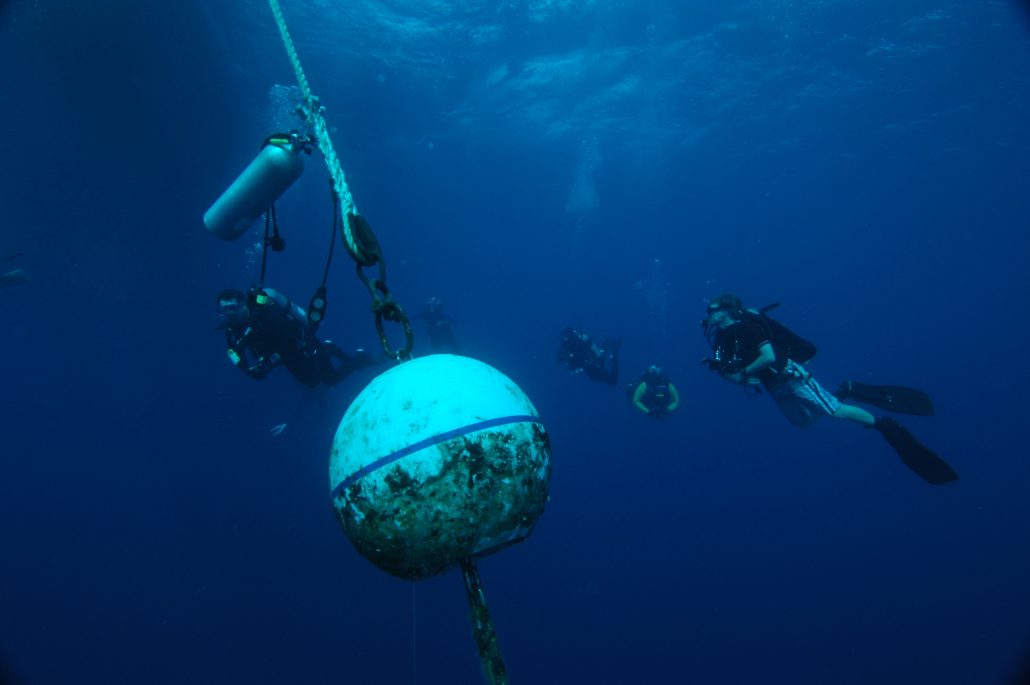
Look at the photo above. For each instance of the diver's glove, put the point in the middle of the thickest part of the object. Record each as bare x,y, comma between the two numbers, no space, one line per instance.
658,413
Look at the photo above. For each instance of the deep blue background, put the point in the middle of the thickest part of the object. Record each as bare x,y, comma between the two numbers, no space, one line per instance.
865,163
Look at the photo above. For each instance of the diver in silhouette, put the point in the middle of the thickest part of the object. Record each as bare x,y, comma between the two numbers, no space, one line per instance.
754,350
580,354
653,393
14,276
263,329
439,326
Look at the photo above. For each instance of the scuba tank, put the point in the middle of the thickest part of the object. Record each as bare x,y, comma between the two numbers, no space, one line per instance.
786,342
274,170
265,297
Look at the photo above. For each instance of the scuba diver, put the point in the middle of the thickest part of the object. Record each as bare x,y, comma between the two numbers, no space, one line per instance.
755,350
581,355
263,329
14,276
653,393
439,326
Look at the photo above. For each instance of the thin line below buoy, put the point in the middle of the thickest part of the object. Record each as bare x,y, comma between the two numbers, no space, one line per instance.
414,643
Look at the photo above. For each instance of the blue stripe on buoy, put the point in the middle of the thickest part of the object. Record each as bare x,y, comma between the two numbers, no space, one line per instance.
428,442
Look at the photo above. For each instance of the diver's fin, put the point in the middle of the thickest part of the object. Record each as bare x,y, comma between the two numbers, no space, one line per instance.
893,398
914,454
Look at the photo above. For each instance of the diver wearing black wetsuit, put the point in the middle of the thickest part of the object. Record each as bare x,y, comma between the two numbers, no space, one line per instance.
579,353
750,348
439,326
263,329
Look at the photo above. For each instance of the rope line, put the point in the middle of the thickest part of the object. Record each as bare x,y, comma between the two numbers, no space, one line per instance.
357,235
314,114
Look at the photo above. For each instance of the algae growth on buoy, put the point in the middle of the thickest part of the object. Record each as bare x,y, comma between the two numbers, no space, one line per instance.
437,460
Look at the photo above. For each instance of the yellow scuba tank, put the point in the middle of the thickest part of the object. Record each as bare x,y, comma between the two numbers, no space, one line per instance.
274,170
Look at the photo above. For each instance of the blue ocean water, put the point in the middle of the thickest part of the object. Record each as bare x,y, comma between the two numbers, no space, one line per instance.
536,164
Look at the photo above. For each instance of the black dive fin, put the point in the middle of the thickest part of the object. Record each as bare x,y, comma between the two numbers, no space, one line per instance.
893,398
914,454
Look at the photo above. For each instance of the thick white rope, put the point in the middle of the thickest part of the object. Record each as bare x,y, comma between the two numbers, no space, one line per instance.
314,113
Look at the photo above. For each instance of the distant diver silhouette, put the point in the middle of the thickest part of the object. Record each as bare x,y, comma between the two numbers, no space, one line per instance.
15,276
